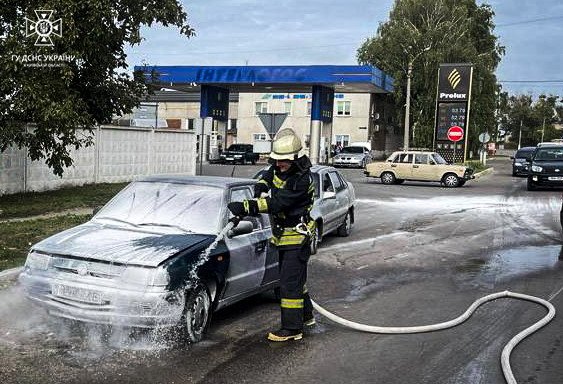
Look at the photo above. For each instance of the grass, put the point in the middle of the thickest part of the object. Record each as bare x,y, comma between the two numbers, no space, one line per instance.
16,237
38,203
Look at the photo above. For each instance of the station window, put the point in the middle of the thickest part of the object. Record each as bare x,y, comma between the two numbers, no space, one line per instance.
343,108
260,107
259,137
287,107
309,107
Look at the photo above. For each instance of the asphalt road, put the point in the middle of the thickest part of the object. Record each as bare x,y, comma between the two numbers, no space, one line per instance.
418,254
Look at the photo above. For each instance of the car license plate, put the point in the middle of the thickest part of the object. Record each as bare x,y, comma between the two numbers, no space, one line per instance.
230,158
555,178
77,294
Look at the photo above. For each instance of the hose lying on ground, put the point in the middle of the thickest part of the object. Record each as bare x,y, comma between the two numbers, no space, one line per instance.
507,350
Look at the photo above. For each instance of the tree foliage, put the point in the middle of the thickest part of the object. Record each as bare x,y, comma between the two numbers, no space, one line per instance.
527,122
431,32
41,106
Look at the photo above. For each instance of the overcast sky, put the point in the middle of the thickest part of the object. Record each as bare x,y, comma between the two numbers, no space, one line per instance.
308,32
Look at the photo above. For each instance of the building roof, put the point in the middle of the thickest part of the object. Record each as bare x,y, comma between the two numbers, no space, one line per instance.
260,79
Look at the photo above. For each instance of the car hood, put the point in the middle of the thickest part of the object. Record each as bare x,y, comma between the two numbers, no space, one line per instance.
121,245
550,164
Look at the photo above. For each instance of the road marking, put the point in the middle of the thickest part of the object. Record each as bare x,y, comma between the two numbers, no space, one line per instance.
555,294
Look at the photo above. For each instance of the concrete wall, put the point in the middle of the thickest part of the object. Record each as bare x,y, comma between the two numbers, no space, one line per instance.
118,154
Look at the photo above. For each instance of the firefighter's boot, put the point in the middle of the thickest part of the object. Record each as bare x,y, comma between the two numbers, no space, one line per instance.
285,335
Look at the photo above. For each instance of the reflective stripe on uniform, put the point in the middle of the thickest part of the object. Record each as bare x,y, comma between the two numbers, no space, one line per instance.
262,205
262,181
292,303
278,183
246,206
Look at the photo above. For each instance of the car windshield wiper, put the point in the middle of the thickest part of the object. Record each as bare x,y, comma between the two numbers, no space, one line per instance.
166,225
118,220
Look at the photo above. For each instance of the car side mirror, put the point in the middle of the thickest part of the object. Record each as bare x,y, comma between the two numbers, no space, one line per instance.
243,228
329,195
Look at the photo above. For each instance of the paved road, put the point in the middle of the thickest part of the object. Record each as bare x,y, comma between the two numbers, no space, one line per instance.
418,254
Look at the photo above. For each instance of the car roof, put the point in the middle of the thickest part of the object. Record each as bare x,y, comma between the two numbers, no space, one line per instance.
319,168
211,181
526,149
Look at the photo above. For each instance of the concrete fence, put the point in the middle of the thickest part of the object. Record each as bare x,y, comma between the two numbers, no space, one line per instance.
119,154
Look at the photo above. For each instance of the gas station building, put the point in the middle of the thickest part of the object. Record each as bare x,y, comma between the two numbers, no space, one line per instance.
324,104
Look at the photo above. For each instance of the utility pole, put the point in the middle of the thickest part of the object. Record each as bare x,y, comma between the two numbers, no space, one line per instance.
542,129
408,101
520,135
408,107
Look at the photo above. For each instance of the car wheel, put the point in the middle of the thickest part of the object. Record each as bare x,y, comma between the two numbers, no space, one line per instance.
197,313
253,161
530,185
345,227
388,178
450,180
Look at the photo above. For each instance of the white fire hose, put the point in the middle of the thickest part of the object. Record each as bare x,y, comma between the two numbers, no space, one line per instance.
507,350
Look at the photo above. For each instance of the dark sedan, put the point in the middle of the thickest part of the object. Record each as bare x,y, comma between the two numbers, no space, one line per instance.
546,167
521,161
140,260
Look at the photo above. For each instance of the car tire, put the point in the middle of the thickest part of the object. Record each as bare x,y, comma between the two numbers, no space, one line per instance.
197,314
530,186
388,178
450,180
253,161
345,228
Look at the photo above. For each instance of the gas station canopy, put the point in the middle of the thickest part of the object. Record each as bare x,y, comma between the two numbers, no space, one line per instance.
272,79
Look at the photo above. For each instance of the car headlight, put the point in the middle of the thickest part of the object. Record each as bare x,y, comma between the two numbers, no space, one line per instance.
518,164
146,276
536,168
37,260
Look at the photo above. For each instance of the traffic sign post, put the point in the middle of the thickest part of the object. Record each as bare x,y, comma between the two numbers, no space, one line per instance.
455,134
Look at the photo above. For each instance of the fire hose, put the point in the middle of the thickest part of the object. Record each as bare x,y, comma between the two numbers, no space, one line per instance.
507,350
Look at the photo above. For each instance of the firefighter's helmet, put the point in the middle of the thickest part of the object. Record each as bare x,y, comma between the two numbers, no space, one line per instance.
286,145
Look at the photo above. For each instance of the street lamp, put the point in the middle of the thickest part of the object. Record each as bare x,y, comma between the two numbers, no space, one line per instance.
408,103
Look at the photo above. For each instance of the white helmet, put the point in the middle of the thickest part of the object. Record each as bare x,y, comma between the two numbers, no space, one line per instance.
286,145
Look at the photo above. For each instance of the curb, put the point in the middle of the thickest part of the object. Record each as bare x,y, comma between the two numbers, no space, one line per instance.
11,273
486,172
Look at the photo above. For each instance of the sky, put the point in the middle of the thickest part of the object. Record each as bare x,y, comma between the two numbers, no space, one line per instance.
299,32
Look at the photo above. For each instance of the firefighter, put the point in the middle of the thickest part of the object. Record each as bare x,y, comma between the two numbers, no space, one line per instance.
290,189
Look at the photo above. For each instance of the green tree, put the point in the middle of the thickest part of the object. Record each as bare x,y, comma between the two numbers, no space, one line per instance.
41,107
430,32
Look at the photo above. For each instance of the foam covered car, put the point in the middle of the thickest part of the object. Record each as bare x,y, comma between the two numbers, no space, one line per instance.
141,260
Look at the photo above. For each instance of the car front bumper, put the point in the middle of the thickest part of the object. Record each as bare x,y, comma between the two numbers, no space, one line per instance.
347,162
135,306
546,180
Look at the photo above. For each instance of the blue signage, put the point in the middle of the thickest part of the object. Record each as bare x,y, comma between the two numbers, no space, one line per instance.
322,105
214,102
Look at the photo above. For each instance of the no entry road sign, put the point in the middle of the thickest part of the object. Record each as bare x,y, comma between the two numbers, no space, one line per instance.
455,133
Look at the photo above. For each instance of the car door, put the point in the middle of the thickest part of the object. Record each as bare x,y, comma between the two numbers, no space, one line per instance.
328,203
248,252
341,197
423,167
402,165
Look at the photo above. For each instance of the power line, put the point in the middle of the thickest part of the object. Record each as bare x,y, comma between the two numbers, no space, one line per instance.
530,81
530,21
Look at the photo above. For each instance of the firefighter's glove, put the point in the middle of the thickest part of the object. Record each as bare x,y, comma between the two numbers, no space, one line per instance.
237,209
260,188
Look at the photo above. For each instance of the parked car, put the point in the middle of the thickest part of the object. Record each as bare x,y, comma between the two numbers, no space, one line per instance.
239,153
419,166
352,156
521,161
132,263
546,167
333,208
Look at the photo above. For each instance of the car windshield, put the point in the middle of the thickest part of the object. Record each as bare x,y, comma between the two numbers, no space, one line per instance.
237,147
523,153
352,150
190,208
439,159
549,154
